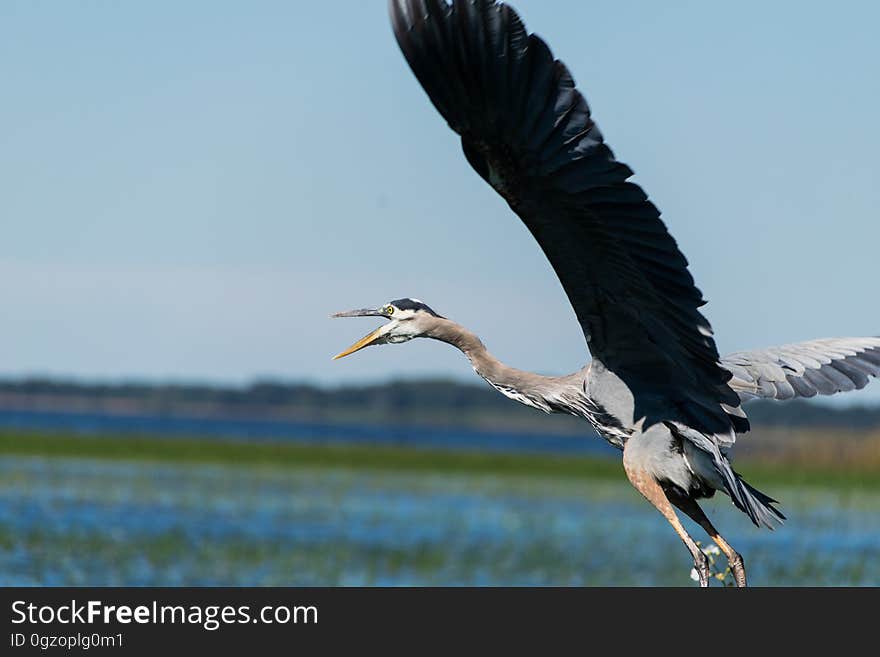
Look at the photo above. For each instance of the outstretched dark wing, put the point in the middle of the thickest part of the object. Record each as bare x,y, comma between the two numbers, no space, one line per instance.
805,369
527,131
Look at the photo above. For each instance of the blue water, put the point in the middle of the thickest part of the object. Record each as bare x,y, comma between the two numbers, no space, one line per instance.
305,432
83,522
71,521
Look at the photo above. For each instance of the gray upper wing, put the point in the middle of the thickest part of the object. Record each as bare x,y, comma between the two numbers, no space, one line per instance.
805,369
528,132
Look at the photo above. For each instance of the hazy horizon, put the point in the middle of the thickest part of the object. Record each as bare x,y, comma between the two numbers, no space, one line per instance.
188,191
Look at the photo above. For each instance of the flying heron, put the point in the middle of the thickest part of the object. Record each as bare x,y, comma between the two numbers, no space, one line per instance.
656,387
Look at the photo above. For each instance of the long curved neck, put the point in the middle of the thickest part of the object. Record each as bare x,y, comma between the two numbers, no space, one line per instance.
485,364
551,394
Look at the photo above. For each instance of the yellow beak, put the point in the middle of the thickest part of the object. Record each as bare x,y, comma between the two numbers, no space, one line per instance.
365,341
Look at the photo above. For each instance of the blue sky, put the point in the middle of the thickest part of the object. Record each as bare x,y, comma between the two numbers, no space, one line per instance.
188,190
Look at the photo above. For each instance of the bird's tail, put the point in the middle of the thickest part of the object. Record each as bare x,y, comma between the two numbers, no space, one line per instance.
757,505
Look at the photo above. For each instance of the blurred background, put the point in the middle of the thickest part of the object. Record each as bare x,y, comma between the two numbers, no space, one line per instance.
188,191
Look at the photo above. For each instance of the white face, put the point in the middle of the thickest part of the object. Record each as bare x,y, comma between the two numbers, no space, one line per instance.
403,325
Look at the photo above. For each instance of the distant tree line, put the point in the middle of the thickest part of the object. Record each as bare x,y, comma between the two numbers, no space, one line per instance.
432,401
391,396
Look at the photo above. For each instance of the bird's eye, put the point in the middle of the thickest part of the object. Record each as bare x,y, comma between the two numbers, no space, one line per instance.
389,310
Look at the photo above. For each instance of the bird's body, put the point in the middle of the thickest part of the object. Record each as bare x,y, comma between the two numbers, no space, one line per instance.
672,452
656,387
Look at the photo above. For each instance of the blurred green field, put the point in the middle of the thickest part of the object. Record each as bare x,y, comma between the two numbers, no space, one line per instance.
105,510
796,470
291,454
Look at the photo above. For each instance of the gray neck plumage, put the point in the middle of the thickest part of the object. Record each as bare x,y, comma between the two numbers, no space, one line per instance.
484,363
525,387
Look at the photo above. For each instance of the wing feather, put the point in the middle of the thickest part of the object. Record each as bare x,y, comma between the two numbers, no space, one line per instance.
806,369
528,131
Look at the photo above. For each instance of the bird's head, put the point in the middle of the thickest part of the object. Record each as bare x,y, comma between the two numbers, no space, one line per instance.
407,319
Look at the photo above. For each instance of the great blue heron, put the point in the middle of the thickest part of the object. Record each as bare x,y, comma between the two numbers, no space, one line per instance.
656,387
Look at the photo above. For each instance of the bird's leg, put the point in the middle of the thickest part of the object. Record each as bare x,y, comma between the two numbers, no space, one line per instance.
693,510
648,486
